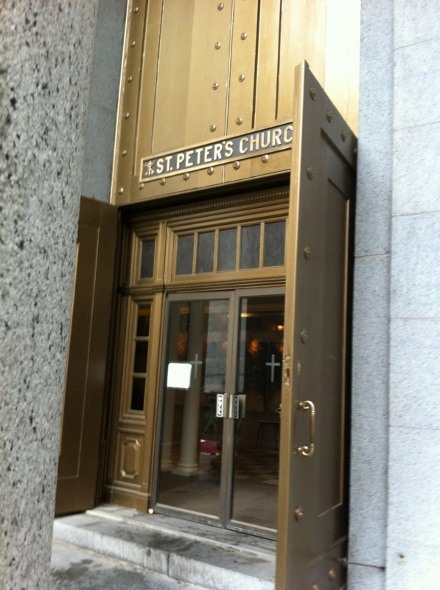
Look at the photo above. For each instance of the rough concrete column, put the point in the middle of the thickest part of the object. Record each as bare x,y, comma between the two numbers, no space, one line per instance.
45,55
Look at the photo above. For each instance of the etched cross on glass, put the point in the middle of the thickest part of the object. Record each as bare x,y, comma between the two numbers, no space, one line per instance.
272,366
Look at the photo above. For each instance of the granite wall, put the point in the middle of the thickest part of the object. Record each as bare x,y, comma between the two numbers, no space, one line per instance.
45,58
395,455
413,531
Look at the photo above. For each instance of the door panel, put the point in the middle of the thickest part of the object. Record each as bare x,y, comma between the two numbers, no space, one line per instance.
78,467
313,501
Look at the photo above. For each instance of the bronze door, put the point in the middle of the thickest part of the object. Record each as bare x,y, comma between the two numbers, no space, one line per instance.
84,402
219,448
312,531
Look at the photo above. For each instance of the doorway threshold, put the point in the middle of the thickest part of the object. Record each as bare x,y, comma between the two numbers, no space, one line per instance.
186,551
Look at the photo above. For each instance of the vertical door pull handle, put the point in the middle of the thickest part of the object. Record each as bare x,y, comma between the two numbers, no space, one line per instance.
308,450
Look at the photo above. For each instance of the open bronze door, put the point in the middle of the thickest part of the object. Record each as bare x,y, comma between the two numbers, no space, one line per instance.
312,524
78,467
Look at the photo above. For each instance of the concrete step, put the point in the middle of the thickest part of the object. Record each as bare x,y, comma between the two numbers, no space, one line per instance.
183,550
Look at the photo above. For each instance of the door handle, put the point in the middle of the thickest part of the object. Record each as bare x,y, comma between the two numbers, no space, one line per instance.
308,450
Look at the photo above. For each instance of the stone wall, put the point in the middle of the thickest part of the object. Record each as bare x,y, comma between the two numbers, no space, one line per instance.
413,531
45,58
395,455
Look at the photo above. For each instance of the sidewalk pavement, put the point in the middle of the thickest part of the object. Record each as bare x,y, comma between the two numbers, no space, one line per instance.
74,568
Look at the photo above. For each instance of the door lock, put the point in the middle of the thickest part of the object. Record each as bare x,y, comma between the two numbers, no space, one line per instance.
220,405
230,406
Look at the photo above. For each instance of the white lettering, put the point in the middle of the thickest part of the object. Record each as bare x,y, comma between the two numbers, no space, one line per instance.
288,134
159,166
208,150
276,134
241,147
199,155
254,142
179,159
218,151
168,160
229,149
265,139
188,162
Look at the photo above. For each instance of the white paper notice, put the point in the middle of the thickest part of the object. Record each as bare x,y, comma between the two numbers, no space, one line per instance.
179,375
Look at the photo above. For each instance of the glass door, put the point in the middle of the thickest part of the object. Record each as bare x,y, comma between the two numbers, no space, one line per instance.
192,436
219,446
259,353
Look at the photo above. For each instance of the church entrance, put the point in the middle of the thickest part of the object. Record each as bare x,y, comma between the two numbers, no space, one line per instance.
219,437
197,387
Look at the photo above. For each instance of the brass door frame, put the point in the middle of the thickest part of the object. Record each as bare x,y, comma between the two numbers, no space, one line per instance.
225,520
243,207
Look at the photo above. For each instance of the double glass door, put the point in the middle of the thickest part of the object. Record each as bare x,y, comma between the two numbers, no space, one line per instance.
219,446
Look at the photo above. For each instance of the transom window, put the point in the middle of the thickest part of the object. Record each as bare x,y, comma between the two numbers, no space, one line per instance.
240,247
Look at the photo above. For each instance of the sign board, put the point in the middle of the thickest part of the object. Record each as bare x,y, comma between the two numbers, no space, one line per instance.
179,375
218,152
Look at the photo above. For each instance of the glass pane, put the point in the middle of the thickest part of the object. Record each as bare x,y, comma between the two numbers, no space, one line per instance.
250,246
185,250
205,252
227,249
147,259
140,357
191,433
137,393
143,320
274,237
256,448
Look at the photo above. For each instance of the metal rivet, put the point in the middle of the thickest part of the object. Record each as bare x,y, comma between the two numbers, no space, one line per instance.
213,128
332,575
126,116
121,190
241,78
310,172
344,136
136,9
130,79
239,120
304,336
124,153
315,587
186,176
313,93
329,116
218,45
298,513
215,85
343,561
307,253
220,6
133,43
265,159
236,165
243,36
210,170
163,181
141,186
